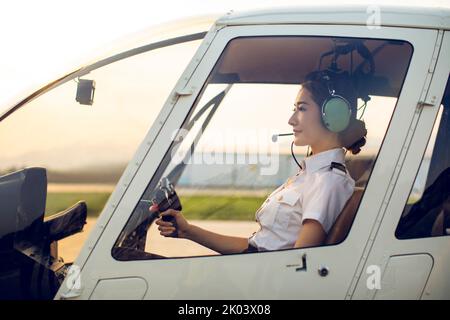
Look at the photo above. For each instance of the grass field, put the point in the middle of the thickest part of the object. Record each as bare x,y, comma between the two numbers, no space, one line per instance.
198,207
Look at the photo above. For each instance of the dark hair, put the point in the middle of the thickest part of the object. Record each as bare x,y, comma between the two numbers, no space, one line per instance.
355,148
354,137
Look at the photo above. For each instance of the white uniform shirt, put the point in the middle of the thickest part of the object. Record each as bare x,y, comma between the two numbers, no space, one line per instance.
316,192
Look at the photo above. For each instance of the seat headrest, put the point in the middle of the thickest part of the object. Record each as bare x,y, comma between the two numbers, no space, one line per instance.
22,205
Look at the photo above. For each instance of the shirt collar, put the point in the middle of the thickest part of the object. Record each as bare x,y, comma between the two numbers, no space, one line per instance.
323,159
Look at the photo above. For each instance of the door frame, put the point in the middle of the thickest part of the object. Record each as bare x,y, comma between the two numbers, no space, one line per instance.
385,243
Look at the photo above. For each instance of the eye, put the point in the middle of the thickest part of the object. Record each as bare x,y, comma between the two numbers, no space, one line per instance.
300,107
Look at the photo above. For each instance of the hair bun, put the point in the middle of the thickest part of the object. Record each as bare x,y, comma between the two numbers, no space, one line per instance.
356,147
353,138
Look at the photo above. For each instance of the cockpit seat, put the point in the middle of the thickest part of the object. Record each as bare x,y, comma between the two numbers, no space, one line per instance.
344,221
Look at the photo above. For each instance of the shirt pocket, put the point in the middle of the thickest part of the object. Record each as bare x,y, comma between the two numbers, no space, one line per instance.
287,207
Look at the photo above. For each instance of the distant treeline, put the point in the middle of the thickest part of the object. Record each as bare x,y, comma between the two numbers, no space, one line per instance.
109,174
359,168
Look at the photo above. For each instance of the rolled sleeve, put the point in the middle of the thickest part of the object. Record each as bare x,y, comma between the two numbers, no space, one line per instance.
326,197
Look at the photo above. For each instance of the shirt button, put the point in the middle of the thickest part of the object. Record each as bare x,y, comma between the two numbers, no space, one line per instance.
280,198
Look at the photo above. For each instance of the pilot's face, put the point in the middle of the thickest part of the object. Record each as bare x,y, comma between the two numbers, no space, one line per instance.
306,121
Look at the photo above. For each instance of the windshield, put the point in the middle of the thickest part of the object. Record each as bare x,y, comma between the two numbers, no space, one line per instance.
76,140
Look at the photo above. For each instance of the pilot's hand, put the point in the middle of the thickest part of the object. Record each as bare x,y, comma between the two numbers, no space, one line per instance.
167,228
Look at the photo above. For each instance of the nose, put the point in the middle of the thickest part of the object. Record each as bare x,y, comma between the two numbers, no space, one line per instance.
292,121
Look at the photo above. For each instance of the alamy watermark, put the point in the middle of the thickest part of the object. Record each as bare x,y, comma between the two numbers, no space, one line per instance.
374,17
73,278
229,147
373,281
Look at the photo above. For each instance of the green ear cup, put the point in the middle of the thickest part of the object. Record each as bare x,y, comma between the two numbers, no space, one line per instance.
336,113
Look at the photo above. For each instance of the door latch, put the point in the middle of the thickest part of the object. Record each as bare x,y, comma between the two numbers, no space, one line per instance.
431,103
298,267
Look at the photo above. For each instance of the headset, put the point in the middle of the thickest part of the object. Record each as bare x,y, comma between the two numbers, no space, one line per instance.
336,111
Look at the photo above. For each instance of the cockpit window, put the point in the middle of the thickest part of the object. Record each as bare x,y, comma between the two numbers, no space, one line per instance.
427,211
63,153
229,170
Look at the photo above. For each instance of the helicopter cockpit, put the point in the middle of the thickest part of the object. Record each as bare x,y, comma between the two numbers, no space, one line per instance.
263,67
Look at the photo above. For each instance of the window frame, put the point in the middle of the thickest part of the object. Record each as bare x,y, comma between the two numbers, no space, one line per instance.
229,33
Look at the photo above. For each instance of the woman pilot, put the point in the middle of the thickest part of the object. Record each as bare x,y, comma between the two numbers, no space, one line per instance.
302,211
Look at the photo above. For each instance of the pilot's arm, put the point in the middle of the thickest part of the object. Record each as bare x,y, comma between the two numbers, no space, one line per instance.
323,201
311,234
214,241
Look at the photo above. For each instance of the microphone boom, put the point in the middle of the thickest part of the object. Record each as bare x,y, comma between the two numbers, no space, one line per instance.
275,136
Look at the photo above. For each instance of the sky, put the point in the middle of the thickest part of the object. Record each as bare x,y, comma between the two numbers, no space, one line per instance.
39,38
42,38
